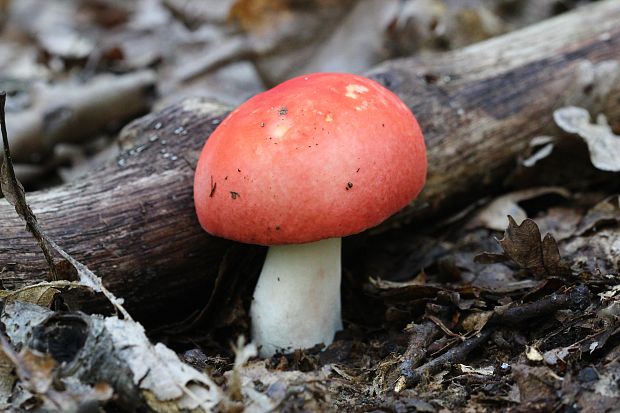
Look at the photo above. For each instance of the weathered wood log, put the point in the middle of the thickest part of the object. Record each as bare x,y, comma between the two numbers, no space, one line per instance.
481,105
132,221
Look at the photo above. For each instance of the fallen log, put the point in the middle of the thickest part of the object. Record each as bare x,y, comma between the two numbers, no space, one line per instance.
132,221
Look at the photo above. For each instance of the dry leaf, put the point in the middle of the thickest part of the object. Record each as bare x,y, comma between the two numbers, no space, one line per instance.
197,12
603,144
264,389
475,322
606,212
493,216
155,371
67,43
76,112
552,357
551,257
483,371
40,294
533,354
597,252
243,353
7,380
610,295
38,381
358,41
559,221
607,385
36,369
158,369
535,383
402,291
523,245
499,278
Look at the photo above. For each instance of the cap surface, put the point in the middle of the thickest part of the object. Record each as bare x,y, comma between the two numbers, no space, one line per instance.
318,156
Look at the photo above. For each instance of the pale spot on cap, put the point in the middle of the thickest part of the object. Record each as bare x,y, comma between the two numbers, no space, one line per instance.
354,90
363,106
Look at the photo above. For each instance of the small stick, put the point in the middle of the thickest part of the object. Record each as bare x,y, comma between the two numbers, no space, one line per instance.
421,337
578,298
14,193
454,355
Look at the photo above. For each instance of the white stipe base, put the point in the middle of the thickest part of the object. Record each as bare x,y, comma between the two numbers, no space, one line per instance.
296,302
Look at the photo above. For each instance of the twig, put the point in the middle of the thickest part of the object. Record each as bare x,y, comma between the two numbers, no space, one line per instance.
421,337
578,298
443,327
13,191
454,355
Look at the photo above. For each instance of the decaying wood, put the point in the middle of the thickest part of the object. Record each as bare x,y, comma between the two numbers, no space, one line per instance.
132,221
480,106
92,350
421,337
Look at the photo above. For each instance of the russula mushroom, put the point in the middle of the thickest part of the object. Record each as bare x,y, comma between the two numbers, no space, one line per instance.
296,168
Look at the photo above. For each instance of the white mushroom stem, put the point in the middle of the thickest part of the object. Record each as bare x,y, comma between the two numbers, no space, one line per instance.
296,303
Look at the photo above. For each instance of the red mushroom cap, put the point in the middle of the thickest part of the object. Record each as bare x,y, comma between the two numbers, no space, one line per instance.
319,156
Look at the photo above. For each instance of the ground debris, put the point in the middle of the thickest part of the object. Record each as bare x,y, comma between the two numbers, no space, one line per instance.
603,144
522,244
89,351
493,216
98,347
543,324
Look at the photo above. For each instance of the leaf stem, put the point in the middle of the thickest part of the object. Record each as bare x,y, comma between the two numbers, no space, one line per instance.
14,193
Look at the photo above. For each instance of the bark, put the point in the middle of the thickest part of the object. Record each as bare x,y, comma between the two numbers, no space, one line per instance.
92,350
480,106
133,223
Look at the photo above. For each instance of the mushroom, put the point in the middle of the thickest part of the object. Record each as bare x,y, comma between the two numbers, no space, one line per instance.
296,168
